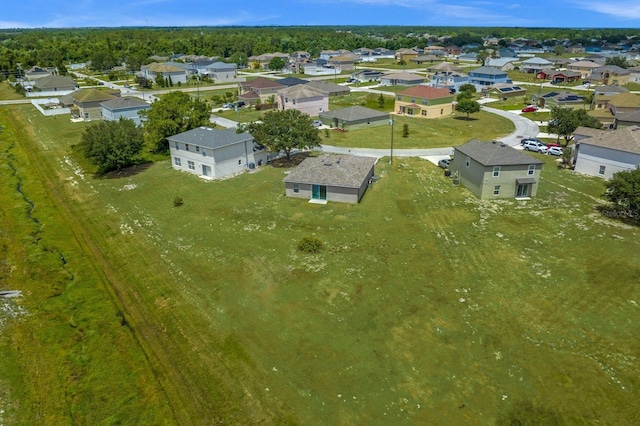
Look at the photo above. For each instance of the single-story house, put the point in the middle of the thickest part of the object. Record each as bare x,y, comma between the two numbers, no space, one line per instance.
214,154
624,102
452,80
127,107
401,79
262,61
264,87
341,178
504,64
561,99
493,170
425,102
304,98
354,117
56,83
424,59
34,73
627,119
608,152
172,73
86,103
503,90
366,75
559,76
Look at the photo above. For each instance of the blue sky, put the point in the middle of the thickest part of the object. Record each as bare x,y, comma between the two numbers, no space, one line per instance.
517,13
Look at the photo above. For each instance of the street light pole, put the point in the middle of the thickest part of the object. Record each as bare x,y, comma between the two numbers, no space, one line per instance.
391,123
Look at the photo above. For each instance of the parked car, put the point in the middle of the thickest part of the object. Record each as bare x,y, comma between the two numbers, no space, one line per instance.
535,146
530,108
317,123
444,163
229,105
555,150
240,104
523,140
549,145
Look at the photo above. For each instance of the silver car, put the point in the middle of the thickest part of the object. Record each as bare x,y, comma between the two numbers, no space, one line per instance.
555,150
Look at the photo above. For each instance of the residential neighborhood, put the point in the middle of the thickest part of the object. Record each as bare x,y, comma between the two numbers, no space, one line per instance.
312,224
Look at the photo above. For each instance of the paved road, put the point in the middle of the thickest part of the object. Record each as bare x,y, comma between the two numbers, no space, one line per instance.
524,126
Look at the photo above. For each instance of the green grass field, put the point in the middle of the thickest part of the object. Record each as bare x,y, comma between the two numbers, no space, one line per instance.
426,305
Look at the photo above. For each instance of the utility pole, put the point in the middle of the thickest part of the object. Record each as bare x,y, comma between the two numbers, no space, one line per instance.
391,159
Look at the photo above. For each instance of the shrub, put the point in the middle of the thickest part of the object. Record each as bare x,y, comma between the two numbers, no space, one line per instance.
177,202
310,245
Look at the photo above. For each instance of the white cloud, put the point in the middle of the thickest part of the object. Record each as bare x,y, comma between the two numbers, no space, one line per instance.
622,10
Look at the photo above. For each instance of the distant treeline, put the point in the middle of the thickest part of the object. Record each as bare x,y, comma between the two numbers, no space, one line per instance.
108,47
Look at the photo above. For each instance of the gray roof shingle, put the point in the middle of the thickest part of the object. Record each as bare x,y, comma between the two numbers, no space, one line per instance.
347,171
210,138
354,113
495,154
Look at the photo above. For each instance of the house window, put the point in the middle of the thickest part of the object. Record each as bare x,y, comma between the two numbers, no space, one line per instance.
204,153
186,146
177,145
197,148
296,188
399,98
294,101
602,169
424,102
286,100
441,111
496,190
177,161
239,162
532,169
496,171
413,100
424,112
468,162
192,165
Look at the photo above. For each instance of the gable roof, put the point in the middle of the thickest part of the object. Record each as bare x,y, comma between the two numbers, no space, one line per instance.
218,65
426,92
291,81
93,95
354,113
301,91
536,61
626,139
125,103
628,100
631,116
261,83
583,64
327,87
156,67
495,154
404,75
488,71
210,138
54,81
347,171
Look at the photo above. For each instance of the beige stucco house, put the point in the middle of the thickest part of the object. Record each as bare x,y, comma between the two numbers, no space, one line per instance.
492,170
304,98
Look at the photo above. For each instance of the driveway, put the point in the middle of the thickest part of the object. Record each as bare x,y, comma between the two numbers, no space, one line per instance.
224,122
524,127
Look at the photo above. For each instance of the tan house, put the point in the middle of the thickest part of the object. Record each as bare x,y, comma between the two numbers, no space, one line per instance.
583,67
304,98
424,102
342,62
624,102
86,103
610,75
406,54
261,86
492,170
169,72
262,61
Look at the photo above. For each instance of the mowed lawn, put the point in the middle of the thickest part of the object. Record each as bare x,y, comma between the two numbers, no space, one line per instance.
425,306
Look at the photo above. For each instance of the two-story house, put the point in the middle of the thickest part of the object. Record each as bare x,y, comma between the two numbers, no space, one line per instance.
487,76
304,98
493,170
213,154
424,102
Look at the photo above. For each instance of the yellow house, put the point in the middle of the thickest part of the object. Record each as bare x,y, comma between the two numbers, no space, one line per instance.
425,102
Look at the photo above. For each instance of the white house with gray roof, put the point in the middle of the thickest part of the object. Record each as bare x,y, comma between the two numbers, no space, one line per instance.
492,170
603,153
340,178
214,154
354,117
127,107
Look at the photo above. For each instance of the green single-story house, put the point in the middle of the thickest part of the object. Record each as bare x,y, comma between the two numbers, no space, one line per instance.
354,117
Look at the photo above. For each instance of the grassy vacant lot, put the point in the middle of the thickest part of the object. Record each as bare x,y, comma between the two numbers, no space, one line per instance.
7,92
424,133
426,306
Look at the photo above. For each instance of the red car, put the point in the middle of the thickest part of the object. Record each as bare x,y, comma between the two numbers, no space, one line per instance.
549,145
530,108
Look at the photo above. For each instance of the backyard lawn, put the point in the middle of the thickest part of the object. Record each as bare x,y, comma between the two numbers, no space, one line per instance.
425,305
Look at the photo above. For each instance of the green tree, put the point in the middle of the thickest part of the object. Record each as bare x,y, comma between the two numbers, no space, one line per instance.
483,55
567,157
564,121
285,131
239,59
405,130
160,81
381,101
174,113
468,106
112,145
558,49
619,61
468,88
624,190
276,64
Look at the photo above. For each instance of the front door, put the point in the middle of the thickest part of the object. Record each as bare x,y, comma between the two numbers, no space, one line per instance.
206,170
319,192
523,190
